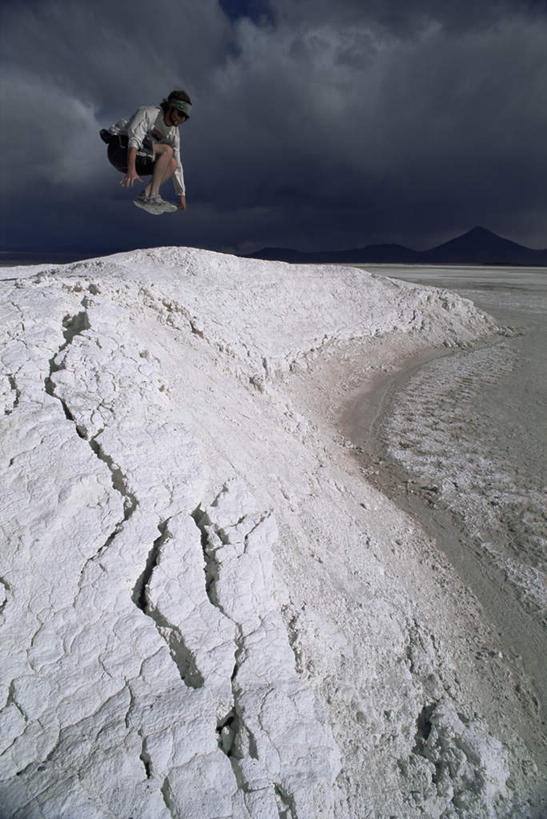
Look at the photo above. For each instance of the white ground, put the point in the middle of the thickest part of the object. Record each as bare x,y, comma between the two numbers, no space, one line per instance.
207,610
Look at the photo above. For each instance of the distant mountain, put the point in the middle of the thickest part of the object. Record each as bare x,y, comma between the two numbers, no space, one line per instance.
477,246
481,246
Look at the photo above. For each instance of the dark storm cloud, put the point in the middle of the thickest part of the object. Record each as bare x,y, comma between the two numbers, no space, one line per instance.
405,18
259,11
374,131
315,123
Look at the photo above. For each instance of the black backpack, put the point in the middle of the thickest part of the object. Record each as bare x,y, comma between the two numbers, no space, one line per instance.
106,136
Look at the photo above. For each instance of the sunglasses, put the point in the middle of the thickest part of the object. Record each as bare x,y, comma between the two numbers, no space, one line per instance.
179,114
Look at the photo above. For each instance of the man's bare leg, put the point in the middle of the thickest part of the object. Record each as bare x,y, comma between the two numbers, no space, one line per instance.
164,168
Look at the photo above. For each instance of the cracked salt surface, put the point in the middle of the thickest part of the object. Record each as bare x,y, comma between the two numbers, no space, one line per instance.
469,431
439,431
205,610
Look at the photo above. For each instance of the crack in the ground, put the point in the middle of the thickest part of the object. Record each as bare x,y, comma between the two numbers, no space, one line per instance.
226,730
285,803
74,326
119,480
145,757
167,797
180,653
290,619
242,734
233,726
139,590
423,728
210,564
14,388
4,589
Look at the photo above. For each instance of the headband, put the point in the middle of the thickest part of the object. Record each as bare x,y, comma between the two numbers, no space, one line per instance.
181,105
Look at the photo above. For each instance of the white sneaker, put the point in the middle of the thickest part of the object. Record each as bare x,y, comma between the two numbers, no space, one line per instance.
157,202
154,204
144,202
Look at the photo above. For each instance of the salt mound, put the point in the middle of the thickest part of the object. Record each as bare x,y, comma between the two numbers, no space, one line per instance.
201,616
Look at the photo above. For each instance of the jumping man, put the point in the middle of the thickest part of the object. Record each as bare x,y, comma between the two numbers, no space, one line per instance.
148,144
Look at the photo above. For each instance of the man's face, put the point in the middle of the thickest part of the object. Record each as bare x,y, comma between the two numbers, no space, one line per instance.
174,117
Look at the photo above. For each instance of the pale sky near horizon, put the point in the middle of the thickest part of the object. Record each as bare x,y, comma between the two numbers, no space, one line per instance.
315,124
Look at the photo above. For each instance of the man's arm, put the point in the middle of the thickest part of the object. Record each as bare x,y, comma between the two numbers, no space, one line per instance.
178,176
131,175
137,128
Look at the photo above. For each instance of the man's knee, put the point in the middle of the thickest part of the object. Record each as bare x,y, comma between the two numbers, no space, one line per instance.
163,150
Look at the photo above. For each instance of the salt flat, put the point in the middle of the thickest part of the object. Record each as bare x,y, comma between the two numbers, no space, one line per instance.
207,610
469,432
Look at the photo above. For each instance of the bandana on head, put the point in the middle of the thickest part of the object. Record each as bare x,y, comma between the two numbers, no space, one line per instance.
182,106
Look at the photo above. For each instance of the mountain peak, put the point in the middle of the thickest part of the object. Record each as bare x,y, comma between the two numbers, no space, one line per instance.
479,230
475,234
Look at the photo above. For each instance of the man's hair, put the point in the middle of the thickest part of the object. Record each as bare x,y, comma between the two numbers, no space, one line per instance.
179,95
173,96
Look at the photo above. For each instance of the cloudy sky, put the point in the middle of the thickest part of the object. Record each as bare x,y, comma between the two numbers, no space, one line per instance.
316,123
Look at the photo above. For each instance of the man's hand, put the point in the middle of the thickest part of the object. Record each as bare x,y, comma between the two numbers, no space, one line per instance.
182,205
130,178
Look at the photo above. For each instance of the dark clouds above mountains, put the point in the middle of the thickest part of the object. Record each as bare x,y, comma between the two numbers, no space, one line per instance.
316,124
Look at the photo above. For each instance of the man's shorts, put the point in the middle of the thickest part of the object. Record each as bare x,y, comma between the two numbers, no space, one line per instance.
117,156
